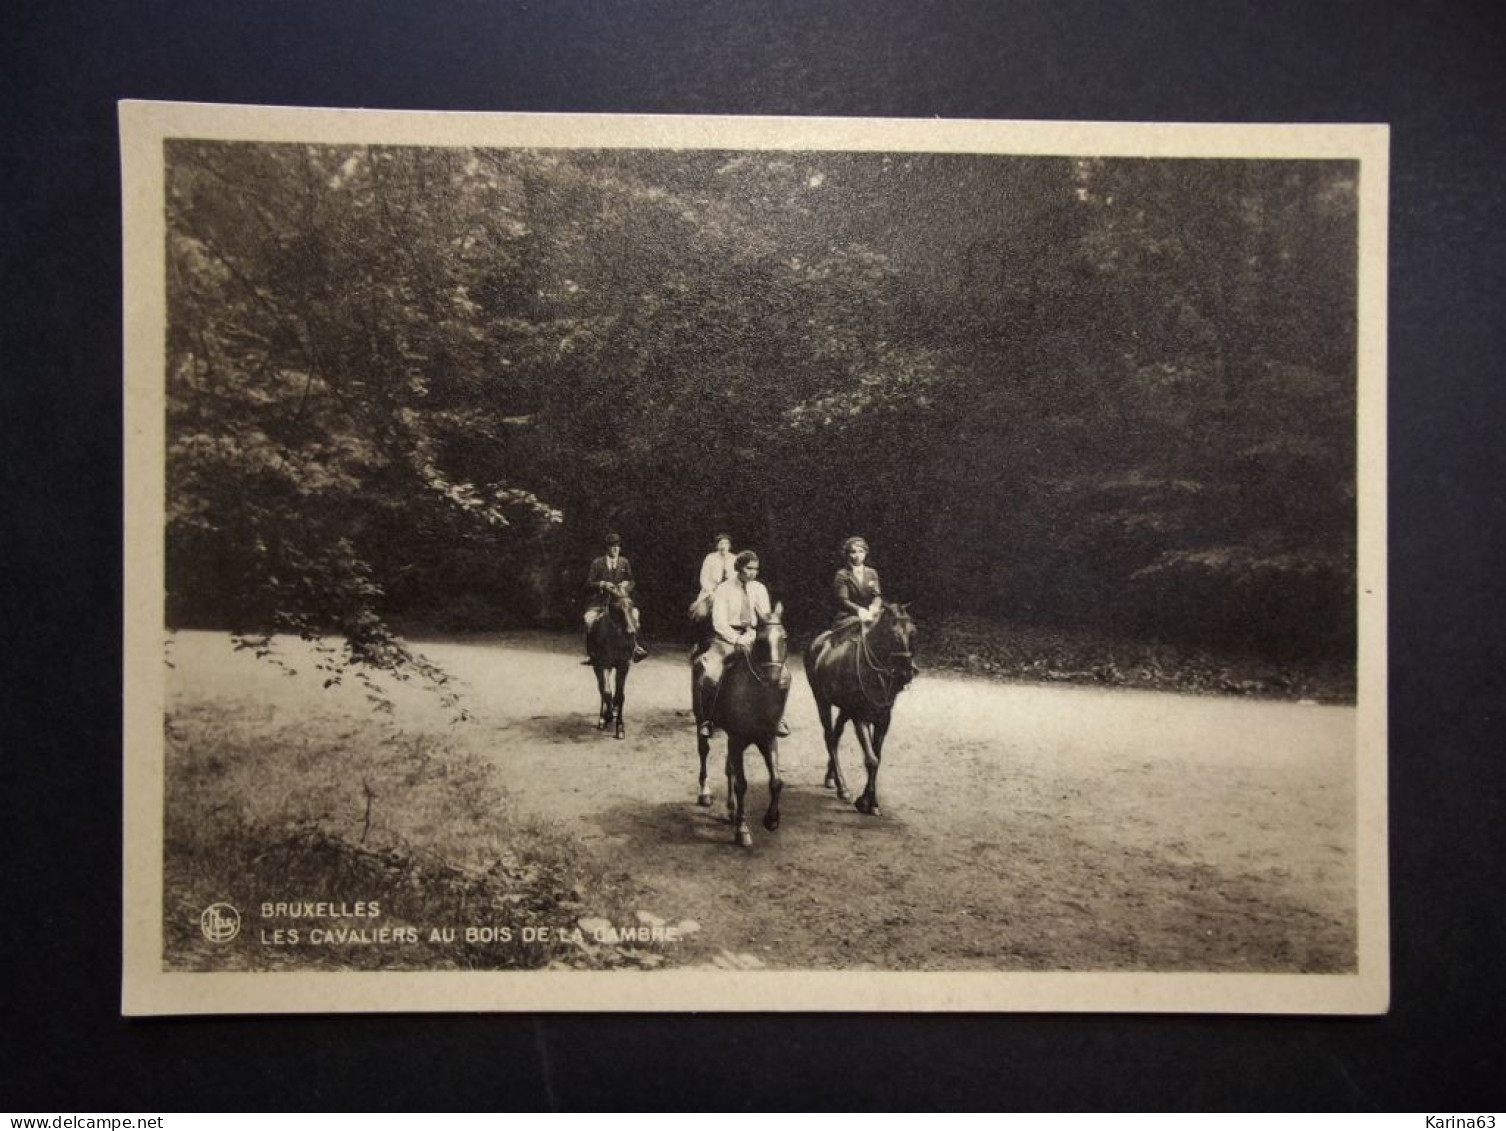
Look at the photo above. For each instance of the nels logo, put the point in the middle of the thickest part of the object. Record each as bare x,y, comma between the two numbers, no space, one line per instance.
220,922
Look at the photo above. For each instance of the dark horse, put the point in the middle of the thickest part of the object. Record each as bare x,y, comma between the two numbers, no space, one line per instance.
609,643
860,671
748,706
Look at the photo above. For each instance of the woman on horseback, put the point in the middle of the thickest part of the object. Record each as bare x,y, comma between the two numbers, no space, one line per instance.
856,587
858,668
718,566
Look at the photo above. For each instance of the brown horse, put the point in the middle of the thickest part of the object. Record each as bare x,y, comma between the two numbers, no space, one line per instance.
748,706
609,643
860,671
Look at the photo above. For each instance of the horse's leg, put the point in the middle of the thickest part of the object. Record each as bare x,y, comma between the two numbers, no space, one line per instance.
770,751
833,762
737,770
603,712
622,674
731,783
880,730
867,801
702,743
703,748
823,708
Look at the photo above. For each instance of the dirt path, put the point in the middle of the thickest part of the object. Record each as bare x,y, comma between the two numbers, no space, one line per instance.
1024,827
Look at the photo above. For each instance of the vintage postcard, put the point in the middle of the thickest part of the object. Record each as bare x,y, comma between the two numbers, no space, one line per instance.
678,563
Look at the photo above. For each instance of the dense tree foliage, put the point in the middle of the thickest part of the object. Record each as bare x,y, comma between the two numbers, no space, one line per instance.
424,382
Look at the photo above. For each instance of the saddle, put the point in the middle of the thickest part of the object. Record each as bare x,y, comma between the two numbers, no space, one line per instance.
845,628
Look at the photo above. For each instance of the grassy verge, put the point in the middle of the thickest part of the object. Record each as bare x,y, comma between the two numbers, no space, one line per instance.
972,644
348,811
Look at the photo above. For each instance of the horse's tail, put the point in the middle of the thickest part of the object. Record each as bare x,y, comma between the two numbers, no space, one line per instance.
813,653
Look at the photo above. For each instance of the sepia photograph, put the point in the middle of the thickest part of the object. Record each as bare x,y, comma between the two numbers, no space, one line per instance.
631,563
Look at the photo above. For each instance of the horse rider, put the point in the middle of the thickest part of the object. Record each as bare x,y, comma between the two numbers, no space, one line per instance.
717,567
856,587
738,606
612,576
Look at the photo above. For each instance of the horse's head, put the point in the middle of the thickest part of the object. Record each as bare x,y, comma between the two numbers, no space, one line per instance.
896,641
620,609
772,644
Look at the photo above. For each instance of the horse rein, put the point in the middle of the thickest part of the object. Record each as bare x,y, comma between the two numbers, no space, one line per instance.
864,651
747,656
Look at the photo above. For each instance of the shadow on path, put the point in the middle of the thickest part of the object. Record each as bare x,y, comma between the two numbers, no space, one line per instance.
651,726
666,828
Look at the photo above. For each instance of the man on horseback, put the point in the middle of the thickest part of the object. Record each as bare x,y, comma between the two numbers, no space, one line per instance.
611,576
739,605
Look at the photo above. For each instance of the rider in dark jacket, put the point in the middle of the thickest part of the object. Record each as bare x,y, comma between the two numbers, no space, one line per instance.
856,588
611,575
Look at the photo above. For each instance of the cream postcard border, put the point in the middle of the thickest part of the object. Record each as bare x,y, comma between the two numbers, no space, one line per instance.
148,989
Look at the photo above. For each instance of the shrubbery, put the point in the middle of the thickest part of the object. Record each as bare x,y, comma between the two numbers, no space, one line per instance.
354,812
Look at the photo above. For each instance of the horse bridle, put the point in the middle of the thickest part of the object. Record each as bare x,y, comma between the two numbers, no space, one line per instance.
623,604
772,665
747,655
862,652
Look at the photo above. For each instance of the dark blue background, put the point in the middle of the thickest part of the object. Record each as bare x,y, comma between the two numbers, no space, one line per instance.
1432,71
